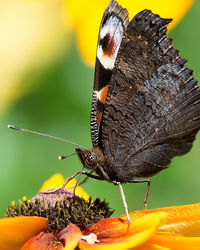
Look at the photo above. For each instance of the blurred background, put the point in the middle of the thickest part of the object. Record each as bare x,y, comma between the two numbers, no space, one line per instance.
46,83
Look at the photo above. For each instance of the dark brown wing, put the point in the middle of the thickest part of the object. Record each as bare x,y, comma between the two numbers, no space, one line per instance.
113,24
152,111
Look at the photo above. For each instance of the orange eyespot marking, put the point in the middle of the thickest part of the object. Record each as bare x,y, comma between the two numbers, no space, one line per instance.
99,118
103,94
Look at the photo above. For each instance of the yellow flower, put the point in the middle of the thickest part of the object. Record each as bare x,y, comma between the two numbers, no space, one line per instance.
86,17
156,229
33,37
46,219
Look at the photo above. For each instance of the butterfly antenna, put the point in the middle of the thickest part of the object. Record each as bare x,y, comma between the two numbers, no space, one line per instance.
46,135
62,157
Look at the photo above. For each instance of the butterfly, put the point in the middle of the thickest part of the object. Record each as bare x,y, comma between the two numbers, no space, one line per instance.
146,103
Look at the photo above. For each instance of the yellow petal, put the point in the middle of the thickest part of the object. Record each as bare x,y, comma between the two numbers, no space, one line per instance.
54,181
58,180
184,220
14,232
79,190
114,233
175,241
154,219
87,28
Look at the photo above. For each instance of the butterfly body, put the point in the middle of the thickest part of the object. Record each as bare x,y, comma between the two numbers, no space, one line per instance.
146,103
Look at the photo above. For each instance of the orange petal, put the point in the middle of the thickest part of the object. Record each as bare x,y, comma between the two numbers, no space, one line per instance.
175,241
114,233
87,28
44,241
70,236
184,220
118,243
117,227
14,232
147,246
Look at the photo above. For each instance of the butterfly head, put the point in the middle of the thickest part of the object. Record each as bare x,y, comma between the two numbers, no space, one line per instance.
90,158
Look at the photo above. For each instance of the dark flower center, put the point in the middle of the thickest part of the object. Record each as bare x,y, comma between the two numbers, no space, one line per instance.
61,211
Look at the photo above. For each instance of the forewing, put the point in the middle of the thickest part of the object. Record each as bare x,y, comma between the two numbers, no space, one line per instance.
152,111
113,24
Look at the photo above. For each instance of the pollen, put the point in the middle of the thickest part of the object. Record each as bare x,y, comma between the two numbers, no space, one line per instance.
61,212
13,203
24,198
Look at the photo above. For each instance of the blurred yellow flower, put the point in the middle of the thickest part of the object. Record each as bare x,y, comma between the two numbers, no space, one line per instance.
86,17
32,37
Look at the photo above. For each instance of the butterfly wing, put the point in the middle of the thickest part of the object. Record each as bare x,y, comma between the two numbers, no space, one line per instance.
152,110
113,24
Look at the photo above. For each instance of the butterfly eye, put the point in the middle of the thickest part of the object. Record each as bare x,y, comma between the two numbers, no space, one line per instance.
91,159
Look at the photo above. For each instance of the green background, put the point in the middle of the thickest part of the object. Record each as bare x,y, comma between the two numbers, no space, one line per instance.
60,105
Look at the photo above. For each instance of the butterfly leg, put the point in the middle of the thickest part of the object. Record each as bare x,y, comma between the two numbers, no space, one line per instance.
123,199
63,186
70,178
80,172
147,190
88,175
96,177
103,179
85,179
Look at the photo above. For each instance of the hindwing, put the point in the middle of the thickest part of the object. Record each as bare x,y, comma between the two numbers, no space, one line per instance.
152,109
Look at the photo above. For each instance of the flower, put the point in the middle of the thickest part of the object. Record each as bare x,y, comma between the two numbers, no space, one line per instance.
48,218
87,28
156,229
33,38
